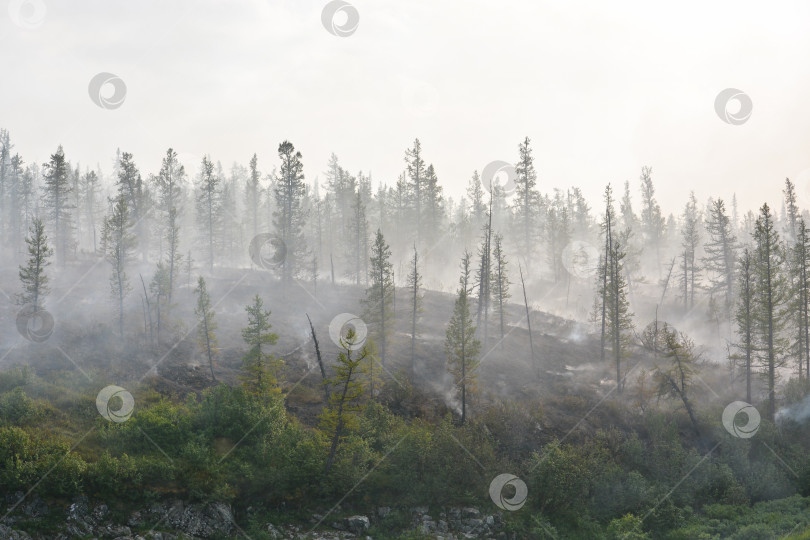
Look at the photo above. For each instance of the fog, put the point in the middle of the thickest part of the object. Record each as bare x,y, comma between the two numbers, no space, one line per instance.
530,240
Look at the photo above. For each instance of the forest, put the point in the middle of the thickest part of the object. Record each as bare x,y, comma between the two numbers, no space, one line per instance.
281,348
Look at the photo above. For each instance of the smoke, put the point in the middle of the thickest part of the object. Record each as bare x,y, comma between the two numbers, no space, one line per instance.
797,412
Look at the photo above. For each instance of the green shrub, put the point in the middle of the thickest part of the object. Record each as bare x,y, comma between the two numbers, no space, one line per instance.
16,408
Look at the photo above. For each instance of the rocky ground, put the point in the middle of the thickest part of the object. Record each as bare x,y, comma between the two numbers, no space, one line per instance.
179,520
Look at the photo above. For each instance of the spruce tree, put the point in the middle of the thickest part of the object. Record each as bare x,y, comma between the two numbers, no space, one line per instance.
209,208
170,183
652,221
460,346
290,215
253,192
721,253
206,325
260,367
675,377
416,173
689,244
745,317
379,300
345,398
800,298
500,281
119,243
415,292
32,276
526,202
131,186
771,297
56,200
791,210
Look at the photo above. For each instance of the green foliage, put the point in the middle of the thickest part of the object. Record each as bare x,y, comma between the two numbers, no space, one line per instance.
627,527
260,367
16,408
14,377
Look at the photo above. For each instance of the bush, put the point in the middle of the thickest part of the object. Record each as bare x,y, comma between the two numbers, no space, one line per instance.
627,527
14,377
16,408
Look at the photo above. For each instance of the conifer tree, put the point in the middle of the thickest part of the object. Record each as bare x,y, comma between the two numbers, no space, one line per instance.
791,210
131,186
209,208
675,377
32,276
526,202
260,367
800,298
290,215
652,221
253,191
56,199
159,287
721,253
379,300
744,317
415,291
770,299
347,386
206,325
416,173
500,281
433,205
460,346
475,194
689,244
119,242
170,183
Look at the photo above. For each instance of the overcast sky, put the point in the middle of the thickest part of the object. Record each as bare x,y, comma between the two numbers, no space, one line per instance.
601,88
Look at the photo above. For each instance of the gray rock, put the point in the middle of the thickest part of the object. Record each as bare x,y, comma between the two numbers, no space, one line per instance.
7,533
35,507
357,524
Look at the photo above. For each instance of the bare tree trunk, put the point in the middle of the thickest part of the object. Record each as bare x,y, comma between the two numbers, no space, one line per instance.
529,319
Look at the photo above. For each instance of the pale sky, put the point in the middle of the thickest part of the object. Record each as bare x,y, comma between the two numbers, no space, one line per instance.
601,88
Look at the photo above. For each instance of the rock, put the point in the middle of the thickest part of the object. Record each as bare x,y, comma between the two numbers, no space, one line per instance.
420,510
7,533
100,512
35,507
428,526
79,522
113,531
273,532
357,524
470,512
383,511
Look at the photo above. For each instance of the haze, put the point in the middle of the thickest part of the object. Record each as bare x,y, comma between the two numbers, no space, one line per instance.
600,89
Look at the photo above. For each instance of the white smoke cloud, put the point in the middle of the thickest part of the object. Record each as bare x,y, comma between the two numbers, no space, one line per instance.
798,412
